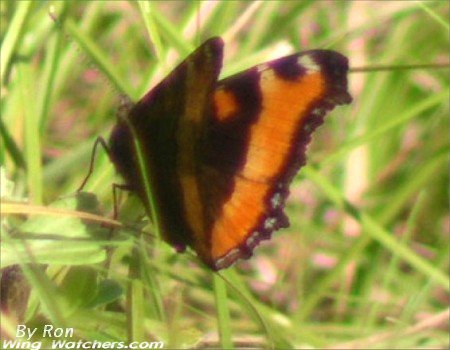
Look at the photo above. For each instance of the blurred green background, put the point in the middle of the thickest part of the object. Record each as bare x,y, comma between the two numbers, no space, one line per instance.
364,263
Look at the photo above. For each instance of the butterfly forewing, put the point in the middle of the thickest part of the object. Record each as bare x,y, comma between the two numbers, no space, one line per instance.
257,141
167,121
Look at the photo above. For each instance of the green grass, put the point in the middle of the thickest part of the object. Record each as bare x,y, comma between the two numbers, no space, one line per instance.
364,263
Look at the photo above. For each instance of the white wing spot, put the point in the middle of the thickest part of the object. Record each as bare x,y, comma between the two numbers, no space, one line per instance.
262,67
267,74
317,111
308,62
252,238
276,200
269,223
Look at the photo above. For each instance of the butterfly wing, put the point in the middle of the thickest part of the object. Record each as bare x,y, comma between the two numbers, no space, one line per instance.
254,144
167,121
221,155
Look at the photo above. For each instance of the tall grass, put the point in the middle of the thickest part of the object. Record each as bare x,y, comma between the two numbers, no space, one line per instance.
364,262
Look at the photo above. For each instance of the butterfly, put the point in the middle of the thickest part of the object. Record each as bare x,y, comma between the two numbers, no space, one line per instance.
221,154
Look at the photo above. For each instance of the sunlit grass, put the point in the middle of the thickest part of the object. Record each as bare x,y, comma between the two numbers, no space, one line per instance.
364,263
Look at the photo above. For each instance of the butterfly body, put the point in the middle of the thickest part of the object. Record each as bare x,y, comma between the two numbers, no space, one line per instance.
221,154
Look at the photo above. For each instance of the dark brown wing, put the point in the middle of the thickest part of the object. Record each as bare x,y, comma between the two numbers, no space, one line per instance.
167,122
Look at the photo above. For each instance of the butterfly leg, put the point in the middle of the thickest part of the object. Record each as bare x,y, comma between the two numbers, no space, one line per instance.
99,141
109,249
115,188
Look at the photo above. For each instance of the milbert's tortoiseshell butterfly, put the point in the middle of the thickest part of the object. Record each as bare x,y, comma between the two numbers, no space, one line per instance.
221,154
